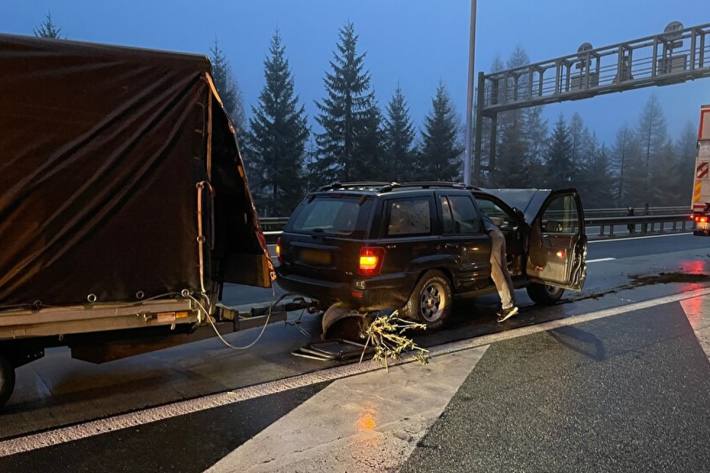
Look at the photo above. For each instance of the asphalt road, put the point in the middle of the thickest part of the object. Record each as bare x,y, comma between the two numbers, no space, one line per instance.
621,394
634,363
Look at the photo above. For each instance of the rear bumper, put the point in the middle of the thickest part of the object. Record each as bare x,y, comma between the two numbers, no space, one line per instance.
324,291
381,292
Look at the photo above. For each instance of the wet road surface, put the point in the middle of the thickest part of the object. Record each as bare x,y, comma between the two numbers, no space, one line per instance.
567,369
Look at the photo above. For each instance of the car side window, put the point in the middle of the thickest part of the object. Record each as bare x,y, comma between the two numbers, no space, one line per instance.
447,220
500,217
411,216
465,217
561,215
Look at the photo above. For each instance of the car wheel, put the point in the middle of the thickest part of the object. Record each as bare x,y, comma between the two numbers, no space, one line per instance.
7,380
431,300
544,294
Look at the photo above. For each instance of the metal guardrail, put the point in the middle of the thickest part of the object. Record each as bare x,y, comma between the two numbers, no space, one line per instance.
677,219
638,211
643,224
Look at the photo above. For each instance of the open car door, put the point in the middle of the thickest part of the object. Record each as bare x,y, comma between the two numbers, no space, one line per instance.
558,245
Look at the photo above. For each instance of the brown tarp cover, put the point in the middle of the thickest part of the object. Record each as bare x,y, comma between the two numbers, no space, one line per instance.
101,150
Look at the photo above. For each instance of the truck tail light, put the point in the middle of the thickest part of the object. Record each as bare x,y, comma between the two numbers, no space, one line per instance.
278,250
370,261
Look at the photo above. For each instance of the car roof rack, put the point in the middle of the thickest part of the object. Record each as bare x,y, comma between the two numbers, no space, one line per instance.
360,185
426,185
391,186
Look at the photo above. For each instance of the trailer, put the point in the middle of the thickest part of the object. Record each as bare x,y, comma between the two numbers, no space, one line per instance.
124,204
700,205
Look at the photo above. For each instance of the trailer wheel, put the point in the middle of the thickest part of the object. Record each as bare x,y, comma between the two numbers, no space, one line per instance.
7,379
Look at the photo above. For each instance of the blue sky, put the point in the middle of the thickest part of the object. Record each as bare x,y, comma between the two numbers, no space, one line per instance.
415,43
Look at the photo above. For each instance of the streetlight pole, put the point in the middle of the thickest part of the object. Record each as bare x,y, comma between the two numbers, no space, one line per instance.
469,97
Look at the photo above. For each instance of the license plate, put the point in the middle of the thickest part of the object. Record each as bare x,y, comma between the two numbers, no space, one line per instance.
316,257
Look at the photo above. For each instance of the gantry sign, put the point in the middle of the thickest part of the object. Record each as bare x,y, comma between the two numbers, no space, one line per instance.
677,55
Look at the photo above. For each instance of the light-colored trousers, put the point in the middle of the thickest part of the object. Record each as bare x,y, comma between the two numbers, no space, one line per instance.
499,269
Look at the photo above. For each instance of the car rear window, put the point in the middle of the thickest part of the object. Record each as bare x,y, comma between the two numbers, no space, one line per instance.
335,215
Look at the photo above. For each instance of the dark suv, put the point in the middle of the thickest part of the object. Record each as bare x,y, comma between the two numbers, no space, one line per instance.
414,247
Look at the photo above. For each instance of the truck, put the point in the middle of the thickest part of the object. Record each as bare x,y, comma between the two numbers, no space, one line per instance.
124,204
700,204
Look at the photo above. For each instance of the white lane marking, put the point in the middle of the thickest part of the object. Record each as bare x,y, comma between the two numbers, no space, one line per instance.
640,238
698,313
389,411
599,260
111,424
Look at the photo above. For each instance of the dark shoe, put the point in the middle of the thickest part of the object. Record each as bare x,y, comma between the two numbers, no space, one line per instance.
505,314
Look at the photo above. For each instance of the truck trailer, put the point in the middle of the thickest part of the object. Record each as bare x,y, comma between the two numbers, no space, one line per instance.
124,203
700,205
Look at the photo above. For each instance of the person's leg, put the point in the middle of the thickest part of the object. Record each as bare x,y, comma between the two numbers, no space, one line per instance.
504,266
499,271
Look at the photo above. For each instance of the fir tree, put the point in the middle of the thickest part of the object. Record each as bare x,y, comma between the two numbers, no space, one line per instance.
227,87
624,154
653,138
399,135
535,133
277,136
48,29
369,164
600,169
597,183
346,113
558,162
583,143
511,166
440,156
663,177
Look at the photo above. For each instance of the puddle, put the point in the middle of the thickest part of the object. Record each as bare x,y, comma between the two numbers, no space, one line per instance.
667,278
640,280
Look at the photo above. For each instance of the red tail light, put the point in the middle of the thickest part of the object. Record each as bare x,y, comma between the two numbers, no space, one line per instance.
278,250
370,261
703,219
